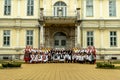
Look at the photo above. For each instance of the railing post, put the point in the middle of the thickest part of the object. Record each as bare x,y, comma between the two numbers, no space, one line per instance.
78,13
41,13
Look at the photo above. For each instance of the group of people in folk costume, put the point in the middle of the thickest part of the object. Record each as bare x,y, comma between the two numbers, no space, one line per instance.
75,55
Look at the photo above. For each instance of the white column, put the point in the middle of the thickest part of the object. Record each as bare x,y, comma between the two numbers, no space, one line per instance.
18,8
41,36
52,8
75,4
84,9
18,37
78,34
78,43
101,16
101,38
44,6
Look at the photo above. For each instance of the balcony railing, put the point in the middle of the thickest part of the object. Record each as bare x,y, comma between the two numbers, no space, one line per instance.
50,15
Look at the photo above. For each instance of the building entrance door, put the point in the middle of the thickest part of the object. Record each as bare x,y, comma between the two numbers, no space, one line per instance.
59,40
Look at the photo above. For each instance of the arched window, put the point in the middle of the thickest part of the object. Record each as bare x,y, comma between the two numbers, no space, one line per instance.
60,9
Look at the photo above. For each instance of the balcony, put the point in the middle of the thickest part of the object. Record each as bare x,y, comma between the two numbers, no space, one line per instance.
48,17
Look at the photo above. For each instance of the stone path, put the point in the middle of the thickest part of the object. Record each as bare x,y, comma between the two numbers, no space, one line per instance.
57,71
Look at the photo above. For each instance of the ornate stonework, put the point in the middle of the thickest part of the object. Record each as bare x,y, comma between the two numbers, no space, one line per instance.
50,31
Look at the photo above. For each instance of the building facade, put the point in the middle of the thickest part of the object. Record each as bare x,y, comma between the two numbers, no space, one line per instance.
59,24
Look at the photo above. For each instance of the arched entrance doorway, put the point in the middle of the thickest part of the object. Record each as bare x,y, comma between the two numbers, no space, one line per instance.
60,40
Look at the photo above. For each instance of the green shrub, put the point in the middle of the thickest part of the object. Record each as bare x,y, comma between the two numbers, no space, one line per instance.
105,65
5,65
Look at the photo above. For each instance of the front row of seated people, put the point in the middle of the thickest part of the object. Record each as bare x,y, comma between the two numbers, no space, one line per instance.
62,57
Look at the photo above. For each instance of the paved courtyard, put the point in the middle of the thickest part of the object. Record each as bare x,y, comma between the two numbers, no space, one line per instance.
57,71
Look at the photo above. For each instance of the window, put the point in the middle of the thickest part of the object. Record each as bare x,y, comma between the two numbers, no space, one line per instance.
30,7
60,9
6,38
56,42
29,37
90,38
7,7
63,42
89,7
113,38
112,7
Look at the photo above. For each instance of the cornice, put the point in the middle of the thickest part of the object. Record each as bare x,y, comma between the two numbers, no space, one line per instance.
100,19
19,18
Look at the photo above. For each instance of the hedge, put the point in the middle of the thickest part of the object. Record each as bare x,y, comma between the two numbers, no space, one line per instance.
105,65
5,65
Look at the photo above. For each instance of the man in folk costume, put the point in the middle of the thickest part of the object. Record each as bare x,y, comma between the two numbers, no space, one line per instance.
49,56
66,56
70,55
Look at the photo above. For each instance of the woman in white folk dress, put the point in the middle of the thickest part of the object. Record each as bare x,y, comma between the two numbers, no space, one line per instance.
39,57
32,56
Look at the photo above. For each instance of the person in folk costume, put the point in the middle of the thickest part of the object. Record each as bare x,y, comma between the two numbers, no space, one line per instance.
55,56
86,51
90,58
94,54
49,56
82,58
44,58
39,57
52,54
74,57
36,57
27,54
32,56
77,57
61,56
85,57
66,56
70,55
